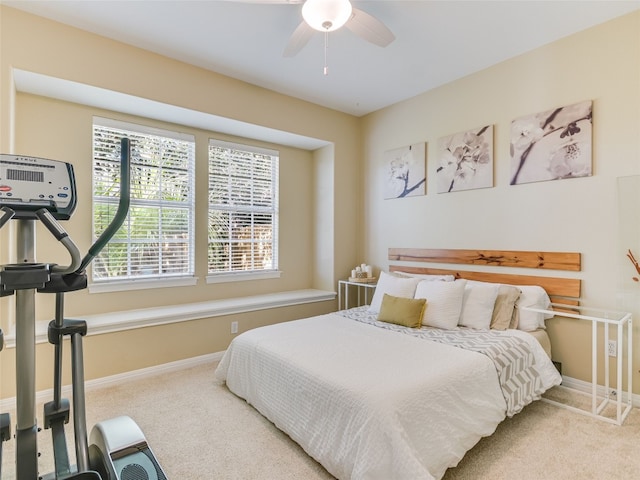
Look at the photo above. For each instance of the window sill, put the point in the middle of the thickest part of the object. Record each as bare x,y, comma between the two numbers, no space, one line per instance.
126,285
148,317
242,277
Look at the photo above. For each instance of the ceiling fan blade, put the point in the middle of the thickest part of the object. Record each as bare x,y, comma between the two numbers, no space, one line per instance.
370,28
299,38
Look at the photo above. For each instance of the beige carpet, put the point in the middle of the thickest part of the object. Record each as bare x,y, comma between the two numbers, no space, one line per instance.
198,430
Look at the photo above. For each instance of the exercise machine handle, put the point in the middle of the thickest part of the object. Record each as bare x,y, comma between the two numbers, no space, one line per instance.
7,214
123,206
63,237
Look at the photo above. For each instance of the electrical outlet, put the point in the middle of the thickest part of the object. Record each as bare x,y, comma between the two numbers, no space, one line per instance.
612,348
234,327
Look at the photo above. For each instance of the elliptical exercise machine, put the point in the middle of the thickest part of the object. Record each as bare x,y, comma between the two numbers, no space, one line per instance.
40,189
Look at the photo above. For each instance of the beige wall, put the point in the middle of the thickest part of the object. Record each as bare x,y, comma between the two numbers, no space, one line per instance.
69,136
601,64
350,222
313,185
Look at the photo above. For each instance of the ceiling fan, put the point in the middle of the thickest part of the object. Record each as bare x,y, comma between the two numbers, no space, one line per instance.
330,15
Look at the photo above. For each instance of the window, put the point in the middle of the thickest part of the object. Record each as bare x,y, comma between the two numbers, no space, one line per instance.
157,239
243,210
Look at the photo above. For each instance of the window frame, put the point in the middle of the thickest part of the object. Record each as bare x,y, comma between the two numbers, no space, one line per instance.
257,274
160,280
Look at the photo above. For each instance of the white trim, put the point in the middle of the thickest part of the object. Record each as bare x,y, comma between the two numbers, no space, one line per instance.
147,317
142,129
118,379
83,94
141,284
140,374
241,277
607,396
242,147
586,388
143,373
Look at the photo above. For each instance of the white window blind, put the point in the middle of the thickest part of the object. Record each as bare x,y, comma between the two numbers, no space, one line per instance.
243,208
157,238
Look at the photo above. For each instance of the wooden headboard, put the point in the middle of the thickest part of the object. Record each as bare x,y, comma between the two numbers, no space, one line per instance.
561,290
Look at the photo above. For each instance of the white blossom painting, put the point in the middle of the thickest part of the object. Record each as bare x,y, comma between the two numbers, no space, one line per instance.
552,145
465,160
406,173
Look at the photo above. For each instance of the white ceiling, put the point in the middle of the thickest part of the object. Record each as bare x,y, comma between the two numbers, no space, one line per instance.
436,41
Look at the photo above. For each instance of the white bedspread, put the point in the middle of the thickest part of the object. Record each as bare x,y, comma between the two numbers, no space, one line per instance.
368,403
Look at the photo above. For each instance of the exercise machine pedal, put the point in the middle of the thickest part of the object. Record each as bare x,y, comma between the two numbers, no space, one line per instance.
123,450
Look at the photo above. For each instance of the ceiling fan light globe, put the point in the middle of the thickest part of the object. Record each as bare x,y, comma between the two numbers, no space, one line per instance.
326,15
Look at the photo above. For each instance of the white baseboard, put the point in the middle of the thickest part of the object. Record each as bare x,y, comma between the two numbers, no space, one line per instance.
586,388
119,379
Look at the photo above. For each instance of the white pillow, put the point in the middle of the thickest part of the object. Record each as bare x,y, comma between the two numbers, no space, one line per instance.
394,286
444,302
477,304
532,296
424,276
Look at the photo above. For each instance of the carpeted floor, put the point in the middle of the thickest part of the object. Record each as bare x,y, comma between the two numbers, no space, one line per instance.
198,430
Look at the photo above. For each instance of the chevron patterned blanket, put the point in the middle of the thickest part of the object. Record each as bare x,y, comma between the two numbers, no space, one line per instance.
512,356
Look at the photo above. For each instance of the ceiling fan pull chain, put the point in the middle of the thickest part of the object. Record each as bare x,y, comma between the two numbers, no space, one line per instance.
326,46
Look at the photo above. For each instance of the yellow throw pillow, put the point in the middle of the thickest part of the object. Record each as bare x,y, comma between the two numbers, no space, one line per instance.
402,311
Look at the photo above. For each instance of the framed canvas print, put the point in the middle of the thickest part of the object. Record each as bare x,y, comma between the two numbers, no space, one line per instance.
552,145
465,160
405,171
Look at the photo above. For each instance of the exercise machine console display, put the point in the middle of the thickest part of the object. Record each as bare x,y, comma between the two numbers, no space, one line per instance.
37,189
29,184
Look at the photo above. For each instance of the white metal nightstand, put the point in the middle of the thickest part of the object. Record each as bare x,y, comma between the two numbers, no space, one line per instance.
362,287
607,319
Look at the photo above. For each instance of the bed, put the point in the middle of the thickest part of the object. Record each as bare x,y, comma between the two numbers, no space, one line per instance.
371,397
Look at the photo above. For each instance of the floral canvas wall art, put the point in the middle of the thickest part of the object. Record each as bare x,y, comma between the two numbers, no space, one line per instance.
406,173
465,160
552,145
